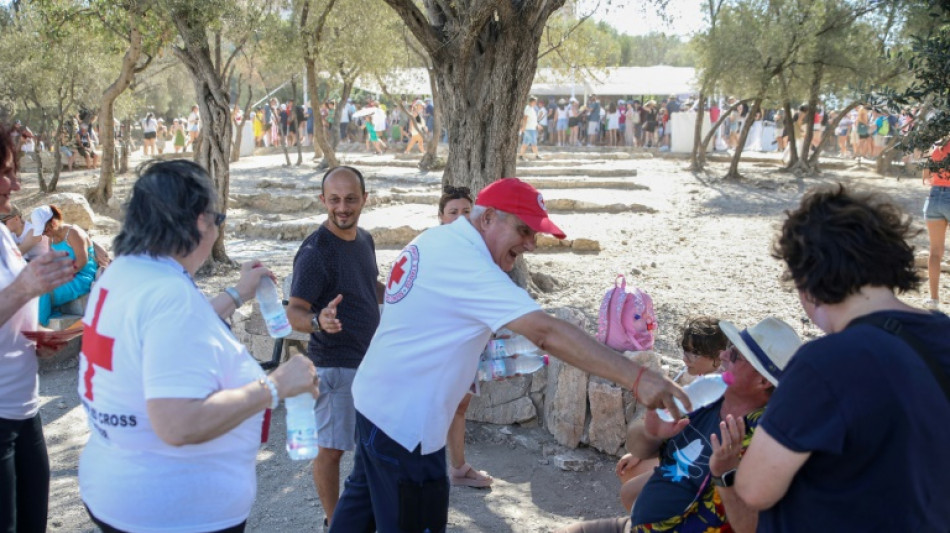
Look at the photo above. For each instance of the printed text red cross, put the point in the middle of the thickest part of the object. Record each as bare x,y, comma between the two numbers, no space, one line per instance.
95,347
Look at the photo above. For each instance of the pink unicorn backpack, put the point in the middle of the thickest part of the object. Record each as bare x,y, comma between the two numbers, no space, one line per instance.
626,321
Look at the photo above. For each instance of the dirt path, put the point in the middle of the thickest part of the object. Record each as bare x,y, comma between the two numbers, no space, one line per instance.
704,250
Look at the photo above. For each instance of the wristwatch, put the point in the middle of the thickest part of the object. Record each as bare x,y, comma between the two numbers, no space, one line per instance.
727,479
315,323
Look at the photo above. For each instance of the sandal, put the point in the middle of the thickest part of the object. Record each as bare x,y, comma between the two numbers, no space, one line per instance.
466,476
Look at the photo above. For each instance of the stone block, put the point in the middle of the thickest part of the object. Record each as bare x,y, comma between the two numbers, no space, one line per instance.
607,430
261,347
254,324
585,245
501,392
573,462
75,307
517,411
75,209
396,237
565,403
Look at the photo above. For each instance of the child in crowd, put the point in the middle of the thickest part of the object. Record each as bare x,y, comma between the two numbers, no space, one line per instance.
702,342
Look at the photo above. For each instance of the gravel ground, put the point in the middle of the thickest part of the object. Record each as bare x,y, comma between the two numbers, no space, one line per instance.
705,249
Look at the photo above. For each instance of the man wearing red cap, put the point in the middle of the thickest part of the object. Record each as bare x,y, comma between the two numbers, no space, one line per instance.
446,293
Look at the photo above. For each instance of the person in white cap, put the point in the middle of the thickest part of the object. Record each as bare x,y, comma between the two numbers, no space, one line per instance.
446,293
692,490
855,438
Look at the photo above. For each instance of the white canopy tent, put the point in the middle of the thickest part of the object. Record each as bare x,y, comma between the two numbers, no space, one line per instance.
657,80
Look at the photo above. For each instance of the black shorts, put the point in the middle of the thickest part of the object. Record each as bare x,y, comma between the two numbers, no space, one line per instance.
150,135
571,122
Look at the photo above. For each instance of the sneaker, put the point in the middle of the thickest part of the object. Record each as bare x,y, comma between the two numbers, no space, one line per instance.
539,158
931,304
522,158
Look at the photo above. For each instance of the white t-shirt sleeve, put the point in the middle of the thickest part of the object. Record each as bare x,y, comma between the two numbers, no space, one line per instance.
179,359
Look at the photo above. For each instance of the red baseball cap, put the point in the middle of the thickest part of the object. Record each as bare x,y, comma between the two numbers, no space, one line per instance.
514,196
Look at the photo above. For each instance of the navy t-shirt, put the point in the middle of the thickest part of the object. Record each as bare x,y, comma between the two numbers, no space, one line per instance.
683,474
325,266
594,114
877,425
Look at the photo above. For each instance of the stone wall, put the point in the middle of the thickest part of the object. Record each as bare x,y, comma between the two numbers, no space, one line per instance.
575,407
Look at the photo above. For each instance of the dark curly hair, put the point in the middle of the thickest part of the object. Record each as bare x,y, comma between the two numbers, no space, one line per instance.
450,192
702,336
838,241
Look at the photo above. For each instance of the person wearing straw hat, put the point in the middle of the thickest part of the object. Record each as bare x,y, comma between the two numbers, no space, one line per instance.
692,490
855,438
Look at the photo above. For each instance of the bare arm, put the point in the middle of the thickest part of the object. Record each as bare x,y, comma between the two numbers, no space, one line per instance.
766,471
646,435
380,292
251,274
181,421
570,344
29,241
300,315
79,242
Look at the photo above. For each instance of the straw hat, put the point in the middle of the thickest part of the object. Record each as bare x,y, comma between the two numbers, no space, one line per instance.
767,346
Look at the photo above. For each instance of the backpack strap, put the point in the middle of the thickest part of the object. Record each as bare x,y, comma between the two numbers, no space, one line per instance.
896,328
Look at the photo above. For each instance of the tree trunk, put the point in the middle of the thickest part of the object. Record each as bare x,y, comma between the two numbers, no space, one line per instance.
126,127
431,157
697,159
884,161
344,96
214,138
329,154
103,191
715,127
829,132
733,172
804,165
239,134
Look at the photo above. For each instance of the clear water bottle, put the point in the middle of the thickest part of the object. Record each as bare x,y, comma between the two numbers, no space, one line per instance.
272,309
514,345
301,427
703,391
493,369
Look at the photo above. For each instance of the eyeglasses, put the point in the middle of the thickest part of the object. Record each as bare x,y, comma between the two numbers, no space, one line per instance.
218,218
4,218
733,354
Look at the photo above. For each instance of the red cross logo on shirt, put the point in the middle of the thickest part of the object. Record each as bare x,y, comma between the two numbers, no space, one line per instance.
396,276
96,348
403,275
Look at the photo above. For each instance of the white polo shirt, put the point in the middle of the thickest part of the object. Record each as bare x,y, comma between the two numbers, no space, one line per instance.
19,384
444,298
150,333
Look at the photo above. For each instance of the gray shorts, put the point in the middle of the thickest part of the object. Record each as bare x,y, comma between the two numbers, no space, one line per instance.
336,416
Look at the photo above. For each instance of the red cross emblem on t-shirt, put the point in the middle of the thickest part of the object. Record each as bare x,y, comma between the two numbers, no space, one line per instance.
96,348
403,274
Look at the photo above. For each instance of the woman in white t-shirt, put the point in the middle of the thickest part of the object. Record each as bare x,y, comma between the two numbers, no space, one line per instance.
149,133
24,463
175,403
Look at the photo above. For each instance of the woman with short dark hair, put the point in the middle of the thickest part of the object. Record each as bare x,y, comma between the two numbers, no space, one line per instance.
175,403
854,436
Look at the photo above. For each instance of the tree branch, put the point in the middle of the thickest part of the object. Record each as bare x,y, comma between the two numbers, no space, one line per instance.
420,27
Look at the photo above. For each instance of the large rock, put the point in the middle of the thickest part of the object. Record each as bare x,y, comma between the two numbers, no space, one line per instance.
607,430
565,403
75,209
518,411
395,237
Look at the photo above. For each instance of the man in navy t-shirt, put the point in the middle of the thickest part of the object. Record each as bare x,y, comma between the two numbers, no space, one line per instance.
335,297
855,438
691,489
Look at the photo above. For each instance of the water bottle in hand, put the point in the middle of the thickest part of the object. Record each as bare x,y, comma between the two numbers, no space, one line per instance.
499,368
301,427
272,309
703,391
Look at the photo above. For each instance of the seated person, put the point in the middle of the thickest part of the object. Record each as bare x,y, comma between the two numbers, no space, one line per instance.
702,342
68,238
692,488
29,244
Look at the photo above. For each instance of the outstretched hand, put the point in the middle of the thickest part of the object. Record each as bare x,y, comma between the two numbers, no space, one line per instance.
655,390
661,429
725,456
251,274
329,323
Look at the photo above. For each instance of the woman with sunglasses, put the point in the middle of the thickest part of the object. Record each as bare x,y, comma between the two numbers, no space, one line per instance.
176,405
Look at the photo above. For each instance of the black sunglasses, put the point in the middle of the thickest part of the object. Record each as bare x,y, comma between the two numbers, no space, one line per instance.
219,218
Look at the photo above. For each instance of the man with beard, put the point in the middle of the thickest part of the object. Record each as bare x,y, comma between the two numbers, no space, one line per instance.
334,297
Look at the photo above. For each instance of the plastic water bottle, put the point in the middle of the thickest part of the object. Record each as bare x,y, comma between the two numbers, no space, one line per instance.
703,391
515,345
301,427
272,309
508,366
